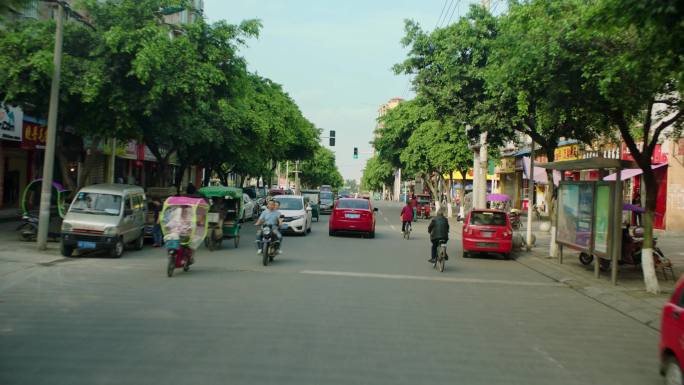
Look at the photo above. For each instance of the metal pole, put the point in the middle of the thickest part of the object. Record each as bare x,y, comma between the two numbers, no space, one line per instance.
617,229
287,174
49,161
530,198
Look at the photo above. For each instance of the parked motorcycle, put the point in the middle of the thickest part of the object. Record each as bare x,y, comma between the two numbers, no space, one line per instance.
516,221
631,251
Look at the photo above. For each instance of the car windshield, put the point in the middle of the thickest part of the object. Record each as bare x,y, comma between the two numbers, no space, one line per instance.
326,196
352,204
487,218
424,199
290,203
97,203
313,197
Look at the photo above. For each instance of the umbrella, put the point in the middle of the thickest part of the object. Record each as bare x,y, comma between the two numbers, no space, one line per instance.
635,208
498,198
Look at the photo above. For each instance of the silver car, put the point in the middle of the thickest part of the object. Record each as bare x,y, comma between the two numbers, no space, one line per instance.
105,217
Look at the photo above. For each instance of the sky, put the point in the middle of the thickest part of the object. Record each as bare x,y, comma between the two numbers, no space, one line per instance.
334,58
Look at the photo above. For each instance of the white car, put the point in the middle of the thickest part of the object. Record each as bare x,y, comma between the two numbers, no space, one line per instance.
297,213
247,207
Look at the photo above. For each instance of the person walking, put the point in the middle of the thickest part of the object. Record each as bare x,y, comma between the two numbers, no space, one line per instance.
439,231
156,228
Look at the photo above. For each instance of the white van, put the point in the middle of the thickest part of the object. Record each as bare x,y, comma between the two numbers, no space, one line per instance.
105,216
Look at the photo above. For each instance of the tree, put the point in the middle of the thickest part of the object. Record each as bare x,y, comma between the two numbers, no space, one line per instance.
633,79
13,6
321,170
351,185
378,173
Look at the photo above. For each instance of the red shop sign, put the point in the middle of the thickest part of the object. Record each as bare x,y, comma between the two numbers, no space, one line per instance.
658,156
34,136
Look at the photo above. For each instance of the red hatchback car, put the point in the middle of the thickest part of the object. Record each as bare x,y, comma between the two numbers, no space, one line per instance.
672,336
487,231
352,215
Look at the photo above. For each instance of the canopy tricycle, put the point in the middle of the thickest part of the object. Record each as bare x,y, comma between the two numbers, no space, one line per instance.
224,213
184,225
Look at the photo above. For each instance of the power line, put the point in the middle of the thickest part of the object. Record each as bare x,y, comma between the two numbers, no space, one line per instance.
452,12
447,12
441,13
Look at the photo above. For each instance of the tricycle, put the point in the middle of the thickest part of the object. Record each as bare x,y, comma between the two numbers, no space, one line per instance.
224,214
423,207
184,225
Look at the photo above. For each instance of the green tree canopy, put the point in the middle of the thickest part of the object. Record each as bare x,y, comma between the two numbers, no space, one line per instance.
321,170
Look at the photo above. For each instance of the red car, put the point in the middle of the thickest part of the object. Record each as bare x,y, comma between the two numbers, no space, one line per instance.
487,231
672,337
352,215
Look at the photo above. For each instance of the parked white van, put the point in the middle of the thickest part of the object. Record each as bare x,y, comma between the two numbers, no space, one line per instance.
105,216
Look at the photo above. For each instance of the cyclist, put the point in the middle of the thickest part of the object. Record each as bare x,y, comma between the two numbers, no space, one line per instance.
406,217
439,231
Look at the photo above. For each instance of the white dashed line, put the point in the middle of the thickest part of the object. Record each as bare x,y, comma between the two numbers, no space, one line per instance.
423,278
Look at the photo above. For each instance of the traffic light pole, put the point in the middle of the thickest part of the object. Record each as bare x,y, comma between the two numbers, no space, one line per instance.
49,161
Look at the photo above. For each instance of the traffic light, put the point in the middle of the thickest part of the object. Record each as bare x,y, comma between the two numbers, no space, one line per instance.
356,153
332,138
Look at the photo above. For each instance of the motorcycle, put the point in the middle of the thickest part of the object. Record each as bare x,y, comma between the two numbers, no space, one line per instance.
270,244
184,223
30,201
631,251
515,217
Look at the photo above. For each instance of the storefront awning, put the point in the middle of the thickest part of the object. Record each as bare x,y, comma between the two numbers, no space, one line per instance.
631,172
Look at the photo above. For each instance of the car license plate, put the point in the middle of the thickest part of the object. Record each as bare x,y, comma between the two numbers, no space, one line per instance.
485,244
487,234
353,216
86,245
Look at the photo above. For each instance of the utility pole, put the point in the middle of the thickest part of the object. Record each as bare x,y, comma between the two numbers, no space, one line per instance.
49,161
484,169
287,174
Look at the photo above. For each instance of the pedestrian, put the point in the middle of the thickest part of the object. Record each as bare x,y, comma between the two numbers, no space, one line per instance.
406,217
439,231
156,228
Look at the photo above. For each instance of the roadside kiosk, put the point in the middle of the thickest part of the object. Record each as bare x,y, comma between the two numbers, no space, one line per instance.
588,214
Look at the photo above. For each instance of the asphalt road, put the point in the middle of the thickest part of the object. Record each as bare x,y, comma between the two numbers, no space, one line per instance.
341,310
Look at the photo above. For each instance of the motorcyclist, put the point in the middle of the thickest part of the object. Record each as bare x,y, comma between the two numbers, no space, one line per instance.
439,231
270,216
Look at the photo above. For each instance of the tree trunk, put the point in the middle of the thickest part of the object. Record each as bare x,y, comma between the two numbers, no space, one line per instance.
647,265
179,177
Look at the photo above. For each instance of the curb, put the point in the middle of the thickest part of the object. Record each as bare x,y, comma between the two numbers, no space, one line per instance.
646,313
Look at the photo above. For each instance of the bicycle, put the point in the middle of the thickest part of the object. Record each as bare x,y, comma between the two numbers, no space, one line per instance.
407,231
441,257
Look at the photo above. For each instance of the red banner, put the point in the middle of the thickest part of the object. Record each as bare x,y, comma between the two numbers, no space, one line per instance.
657,158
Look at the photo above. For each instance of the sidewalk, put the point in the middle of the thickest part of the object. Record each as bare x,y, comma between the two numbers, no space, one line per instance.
628,296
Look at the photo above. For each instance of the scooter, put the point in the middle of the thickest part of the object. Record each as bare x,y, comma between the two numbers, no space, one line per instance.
631,251
179,255
270,244
28,229
516,222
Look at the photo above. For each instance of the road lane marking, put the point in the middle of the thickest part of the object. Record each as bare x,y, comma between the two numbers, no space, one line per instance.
425,278
393,228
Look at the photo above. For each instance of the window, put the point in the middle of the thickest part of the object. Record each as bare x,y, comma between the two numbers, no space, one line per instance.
127,204
289,203
138,203
96,203
353,204
487,218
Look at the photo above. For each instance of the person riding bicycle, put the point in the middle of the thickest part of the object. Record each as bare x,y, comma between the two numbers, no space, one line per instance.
439,231
406,217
